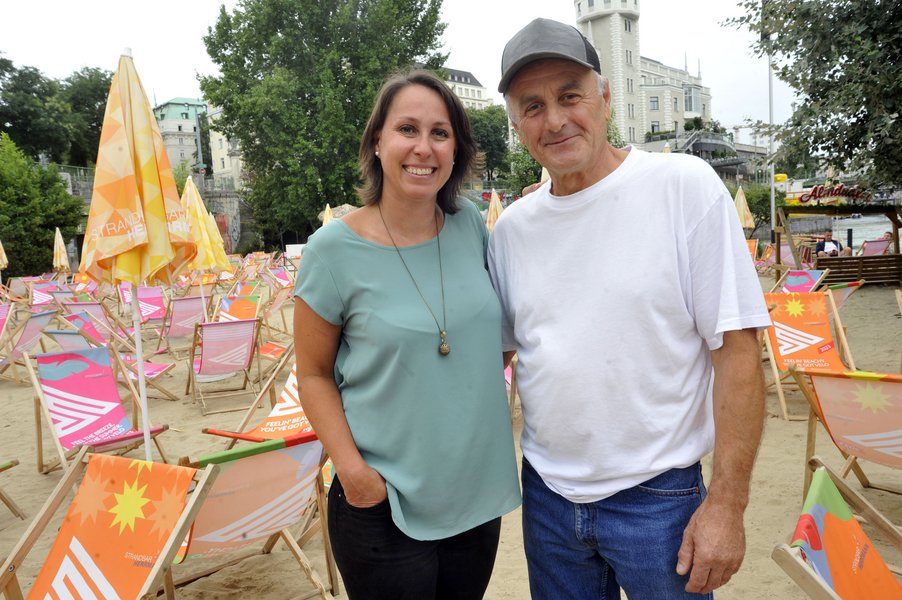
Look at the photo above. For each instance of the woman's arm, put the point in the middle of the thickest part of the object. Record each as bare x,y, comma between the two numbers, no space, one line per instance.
315,345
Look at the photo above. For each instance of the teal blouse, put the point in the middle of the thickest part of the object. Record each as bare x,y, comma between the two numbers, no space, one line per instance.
435,427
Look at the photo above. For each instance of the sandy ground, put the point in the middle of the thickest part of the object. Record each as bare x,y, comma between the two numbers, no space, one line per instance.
874,330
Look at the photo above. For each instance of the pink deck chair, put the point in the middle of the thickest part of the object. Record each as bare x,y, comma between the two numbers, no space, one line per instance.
41,292
273,310
787,259
797,281
279,278
178,326
22,339
876,247
76,391
6,313
219,351
151,302
862,412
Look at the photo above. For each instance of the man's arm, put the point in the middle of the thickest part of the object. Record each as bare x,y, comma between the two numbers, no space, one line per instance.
714,541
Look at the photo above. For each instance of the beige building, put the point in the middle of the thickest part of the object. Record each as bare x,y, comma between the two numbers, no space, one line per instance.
226,160
466,87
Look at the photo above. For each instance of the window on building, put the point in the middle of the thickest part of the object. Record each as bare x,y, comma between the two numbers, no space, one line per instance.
704,112
182,154
184,115
222,162
632,134
479,93
579,8
220,143
629,57
676,104
628,25
655,126
676,126
653,103
629,85
691,99
631,111
180,127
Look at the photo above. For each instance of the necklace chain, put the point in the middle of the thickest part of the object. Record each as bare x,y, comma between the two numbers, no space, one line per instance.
444,348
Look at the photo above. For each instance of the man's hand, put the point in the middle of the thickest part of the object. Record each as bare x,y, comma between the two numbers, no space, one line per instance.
713,547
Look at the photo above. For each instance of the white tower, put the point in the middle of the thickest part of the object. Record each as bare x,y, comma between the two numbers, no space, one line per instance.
612,27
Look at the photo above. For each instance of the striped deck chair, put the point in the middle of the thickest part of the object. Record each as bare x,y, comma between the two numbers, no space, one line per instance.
876,247
76,392
121,531
802,335
787,259
178,326
6,316
24,337
263,491
90,337
862,413
794,281
4,497
40,292
151,302
237,308
220,351
830,555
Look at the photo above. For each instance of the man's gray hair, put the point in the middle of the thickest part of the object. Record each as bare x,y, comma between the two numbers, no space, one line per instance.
600,80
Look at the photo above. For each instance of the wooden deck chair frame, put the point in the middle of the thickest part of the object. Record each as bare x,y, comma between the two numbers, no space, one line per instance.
778,286
192,385
171,314
779,376
160,570
5,321
116,446
218,311
816,417
882,245
274,306
310,524
11,345
791,561
6,498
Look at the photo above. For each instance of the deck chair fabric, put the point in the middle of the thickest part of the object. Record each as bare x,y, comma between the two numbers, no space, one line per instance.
151,302
753,248
178,326
4,497
221,350
262,490
802,335
237,308
830,555
862,413
76,392
876,247
41,292
6,314
841,292
244,287
121,531
23,339
799,281
767,259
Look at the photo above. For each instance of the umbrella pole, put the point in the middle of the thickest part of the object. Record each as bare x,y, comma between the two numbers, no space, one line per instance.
139,361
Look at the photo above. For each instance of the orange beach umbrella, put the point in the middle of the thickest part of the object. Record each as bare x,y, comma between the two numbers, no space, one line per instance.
494,211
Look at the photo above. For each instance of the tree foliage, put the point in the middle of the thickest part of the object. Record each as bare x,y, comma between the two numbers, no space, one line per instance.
86,92
489,126
525,170
297,83
33,201
758,199
844,59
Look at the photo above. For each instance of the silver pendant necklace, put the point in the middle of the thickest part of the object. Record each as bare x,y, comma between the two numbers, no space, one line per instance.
444,348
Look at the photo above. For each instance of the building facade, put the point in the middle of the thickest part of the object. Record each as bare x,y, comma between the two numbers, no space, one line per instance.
226,160
180,128
466,87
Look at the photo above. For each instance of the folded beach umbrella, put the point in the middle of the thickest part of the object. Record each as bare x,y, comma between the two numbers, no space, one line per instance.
136,228
4,262
494,211
742,207
60,255
327,215
206,259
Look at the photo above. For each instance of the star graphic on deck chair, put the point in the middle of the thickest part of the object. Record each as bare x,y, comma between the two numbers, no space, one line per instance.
871,398
817,308
141,464
794,307
167,511
128,506
91,499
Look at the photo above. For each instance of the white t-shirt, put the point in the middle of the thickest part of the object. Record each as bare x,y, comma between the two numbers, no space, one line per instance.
830,247
613,298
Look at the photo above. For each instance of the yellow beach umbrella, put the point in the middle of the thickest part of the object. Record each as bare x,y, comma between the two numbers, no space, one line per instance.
222,259
327,215
494,211
136,228
60,255
742,207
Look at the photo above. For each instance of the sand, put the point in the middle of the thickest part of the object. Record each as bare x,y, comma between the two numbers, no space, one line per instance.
874,330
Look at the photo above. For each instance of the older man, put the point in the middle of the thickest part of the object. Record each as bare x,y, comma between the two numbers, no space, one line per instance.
623,281
830,247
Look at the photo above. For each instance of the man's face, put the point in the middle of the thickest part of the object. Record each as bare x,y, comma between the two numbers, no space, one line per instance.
828,236
560,115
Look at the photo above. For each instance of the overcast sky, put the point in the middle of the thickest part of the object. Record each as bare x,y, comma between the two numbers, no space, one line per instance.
61,36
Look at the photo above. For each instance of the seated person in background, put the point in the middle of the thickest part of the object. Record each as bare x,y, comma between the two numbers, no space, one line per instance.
830,247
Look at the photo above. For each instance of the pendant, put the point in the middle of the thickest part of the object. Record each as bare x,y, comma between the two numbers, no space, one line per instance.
444,348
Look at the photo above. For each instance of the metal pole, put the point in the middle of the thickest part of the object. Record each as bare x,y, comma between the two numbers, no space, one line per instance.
770,147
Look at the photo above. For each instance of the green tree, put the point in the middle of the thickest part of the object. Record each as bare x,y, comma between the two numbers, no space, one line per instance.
86,92
180,173
297,83
525,170
205,148
758,199
34,114
844,60
489,126
33,201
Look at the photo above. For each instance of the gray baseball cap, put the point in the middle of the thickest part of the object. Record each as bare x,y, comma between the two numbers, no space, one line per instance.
544,38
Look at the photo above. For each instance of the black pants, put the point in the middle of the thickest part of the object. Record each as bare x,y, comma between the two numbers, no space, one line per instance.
377,560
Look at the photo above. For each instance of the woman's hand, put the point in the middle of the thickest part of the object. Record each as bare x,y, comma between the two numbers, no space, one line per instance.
364,487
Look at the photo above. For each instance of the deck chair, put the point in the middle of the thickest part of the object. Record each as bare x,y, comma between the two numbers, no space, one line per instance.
753,248
273,310
263,491
7,312
278,277
178,325
862,413
219,351
802,335
76,392
23,338
830,557
243,287
237,308
767,259
120,534
876,247
800,281
841,292
4,497
41,292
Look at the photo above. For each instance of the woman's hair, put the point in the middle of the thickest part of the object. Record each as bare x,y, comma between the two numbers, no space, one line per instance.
465,147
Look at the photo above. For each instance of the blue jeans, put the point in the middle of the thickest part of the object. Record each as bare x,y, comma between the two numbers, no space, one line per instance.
629,540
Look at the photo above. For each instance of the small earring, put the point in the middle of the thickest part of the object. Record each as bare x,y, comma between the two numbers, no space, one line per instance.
452,163
377,153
